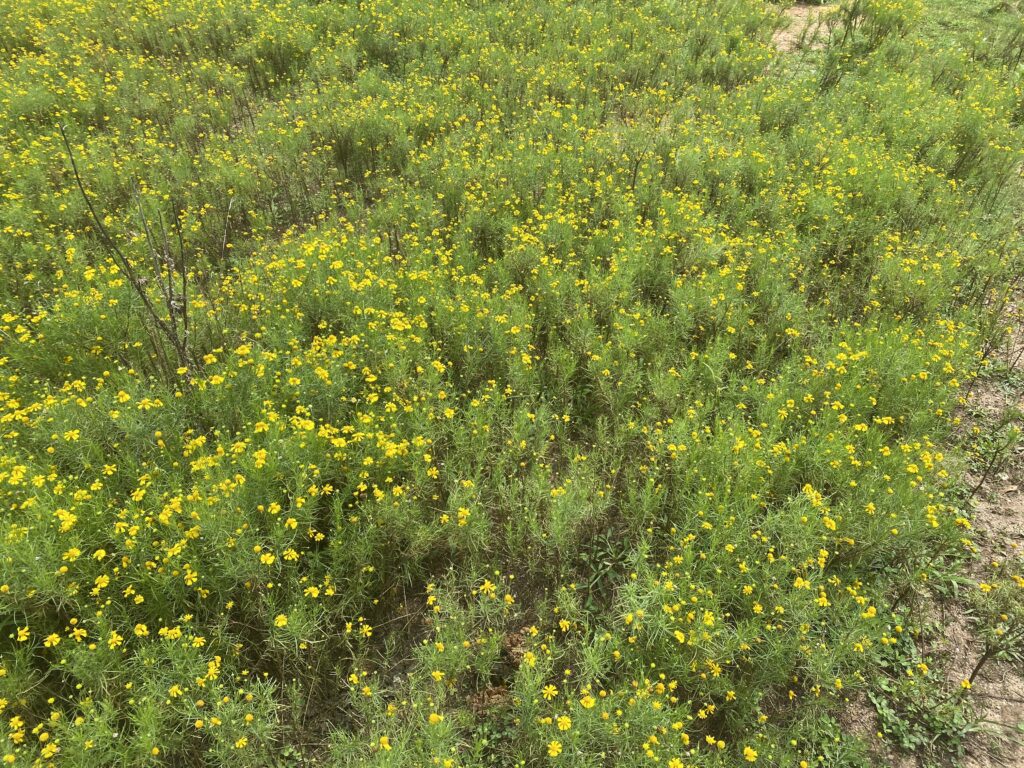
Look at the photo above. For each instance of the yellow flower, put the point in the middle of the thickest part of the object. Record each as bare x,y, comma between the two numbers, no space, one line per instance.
749,754
549,692
555,748
385,743
281,620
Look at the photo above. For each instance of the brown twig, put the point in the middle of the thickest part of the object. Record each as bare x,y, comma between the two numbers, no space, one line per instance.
176,307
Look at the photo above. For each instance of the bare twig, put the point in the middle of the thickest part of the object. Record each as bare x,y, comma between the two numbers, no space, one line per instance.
175,328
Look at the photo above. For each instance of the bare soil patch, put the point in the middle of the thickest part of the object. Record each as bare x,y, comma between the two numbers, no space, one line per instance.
998,520
806,26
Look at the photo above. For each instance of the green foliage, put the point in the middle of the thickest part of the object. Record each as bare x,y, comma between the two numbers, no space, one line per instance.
563,384
916,712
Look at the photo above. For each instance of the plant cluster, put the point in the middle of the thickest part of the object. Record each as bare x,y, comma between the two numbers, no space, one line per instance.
463,383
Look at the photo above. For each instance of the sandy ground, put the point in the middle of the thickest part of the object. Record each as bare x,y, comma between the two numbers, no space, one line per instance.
998,520
805,26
